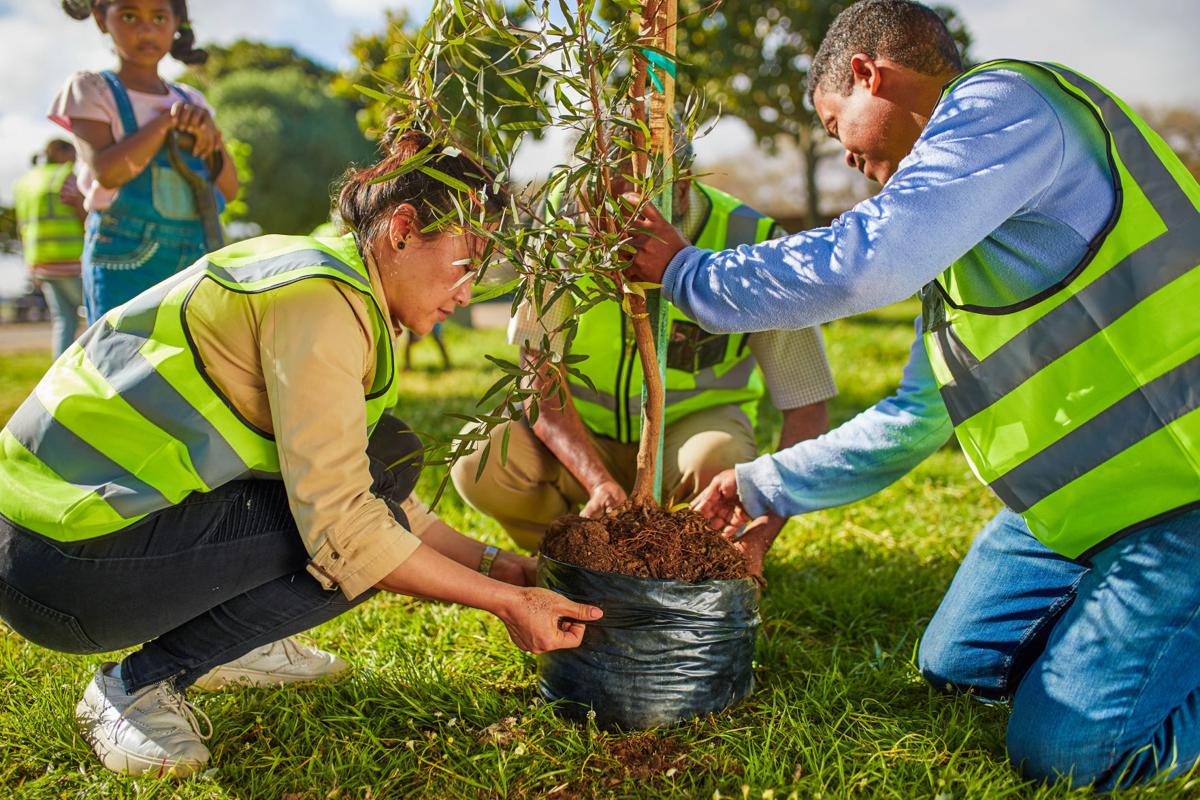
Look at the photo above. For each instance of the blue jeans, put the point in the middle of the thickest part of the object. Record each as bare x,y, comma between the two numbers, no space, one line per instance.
63,296
124,255
1102,664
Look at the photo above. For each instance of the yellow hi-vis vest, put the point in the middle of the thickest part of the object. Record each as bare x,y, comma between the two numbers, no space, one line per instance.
51,233
1080,406
703,369
126,422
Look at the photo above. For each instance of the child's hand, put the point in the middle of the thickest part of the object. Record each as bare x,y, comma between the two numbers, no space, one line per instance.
197,121
70,193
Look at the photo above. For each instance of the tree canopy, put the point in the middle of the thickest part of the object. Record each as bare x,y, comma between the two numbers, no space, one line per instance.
249,55
384,64
300,139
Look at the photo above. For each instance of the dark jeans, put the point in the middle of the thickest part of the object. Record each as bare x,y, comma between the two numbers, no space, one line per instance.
200,583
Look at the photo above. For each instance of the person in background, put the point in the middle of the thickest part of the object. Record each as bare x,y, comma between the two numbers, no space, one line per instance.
584,452
436,334
1054,239
49,209
144,223
211,468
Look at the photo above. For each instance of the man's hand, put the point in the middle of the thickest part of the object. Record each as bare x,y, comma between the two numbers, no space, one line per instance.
656,240
72,197
757,540
605,495
70,194
720,505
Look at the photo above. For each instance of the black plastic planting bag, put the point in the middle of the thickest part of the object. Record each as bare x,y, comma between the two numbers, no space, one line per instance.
664,652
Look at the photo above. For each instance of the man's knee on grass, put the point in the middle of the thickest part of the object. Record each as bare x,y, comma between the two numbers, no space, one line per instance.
953,665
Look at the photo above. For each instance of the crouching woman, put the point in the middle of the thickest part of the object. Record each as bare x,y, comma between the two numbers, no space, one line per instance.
210,468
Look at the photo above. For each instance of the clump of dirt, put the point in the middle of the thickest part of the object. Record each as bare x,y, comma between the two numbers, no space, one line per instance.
647,542
645,755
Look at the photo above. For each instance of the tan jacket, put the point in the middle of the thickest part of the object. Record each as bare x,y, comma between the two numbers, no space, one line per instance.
295,362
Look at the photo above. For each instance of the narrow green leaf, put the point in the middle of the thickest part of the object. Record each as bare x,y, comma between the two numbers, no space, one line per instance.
449,180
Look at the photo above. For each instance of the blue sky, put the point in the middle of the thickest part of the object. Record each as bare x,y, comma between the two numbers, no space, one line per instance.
1147,51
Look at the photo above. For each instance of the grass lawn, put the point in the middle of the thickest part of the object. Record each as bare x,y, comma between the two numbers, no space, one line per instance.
442,706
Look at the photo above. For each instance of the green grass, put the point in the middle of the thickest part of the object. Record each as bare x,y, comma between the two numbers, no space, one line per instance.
840,710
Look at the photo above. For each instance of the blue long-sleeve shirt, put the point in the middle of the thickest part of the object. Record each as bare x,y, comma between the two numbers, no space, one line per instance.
1009,172
857,459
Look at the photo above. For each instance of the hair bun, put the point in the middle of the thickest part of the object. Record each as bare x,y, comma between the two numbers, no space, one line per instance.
407,143
402,140
77,9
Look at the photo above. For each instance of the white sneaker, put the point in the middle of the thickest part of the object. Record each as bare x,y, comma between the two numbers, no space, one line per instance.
276,664
152,731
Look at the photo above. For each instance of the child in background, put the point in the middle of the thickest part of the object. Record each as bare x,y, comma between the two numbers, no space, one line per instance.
143,223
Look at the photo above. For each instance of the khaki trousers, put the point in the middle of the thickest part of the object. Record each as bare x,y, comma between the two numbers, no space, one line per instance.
533,489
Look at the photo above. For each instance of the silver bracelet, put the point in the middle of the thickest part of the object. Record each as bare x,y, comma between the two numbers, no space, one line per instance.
489,557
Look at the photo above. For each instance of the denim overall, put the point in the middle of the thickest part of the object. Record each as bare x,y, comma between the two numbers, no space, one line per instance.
151,231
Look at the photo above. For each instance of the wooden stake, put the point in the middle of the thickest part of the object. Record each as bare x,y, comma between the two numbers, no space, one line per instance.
649,315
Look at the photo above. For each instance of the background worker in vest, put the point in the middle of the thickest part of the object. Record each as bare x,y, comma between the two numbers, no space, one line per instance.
1057,238
49,208
137,505
584,454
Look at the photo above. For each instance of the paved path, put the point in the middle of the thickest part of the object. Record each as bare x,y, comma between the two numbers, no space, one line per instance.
25,336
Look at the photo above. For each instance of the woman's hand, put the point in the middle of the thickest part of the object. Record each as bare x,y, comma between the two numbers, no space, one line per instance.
515,569
605,495
189,118
539,620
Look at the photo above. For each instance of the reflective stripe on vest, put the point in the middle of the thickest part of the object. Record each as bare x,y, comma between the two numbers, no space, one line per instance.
722,371
51,233
126,422
1079,406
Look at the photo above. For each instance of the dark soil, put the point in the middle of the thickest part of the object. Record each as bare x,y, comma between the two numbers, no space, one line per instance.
647,542
646,755
644,758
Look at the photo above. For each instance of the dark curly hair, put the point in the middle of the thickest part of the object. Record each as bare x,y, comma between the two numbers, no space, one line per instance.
183,49
369,194
905,32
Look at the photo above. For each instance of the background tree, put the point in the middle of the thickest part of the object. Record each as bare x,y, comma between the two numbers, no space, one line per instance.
751,58
1180,126
300,139
10,238
383,65
249,55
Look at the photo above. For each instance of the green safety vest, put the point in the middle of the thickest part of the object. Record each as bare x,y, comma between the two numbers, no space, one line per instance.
51,233
703,369
1078,406
126,422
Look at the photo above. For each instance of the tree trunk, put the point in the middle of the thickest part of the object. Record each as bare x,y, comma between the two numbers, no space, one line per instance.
652,408
808,142
658,31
